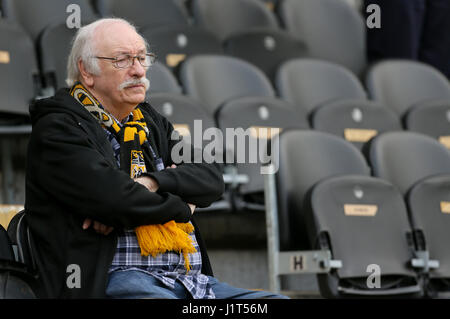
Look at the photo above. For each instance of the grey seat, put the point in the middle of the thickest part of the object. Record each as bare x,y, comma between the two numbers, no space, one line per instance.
143,13
35,16
332,30
420,167
401,84
173,44
309,83
54,47
162,79
226,18
404,158
328,201
250,31
259,119
18,70
215,80
358,121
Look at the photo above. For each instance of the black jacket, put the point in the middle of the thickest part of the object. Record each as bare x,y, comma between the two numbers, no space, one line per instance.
72,174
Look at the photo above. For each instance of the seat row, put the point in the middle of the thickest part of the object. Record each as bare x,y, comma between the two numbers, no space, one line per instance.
384,226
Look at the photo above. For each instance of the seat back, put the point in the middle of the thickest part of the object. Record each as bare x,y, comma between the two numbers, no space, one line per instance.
332,30
54,48
431,118
307,157
214,80
258,119
309,83
402,84
35,16
143,13
173,44
404,158
18,70
358,217
358,121
267,49
225,18
162,79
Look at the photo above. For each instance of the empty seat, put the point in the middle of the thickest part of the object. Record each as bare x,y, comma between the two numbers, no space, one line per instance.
225,18
173,44
327,199
249,31
404,158
214,80
145,12
18,70
306,157
248,124
54,47
358,121
35,16
162,79
309,83
401,84
332,30
267,49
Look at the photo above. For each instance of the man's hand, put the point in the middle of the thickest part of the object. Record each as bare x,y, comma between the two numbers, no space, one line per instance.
150,183
98,227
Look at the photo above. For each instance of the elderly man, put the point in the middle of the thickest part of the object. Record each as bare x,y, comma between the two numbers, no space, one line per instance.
110,213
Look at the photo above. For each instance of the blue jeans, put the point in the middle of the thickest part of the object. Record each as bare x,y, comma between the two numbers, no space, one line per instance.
133,284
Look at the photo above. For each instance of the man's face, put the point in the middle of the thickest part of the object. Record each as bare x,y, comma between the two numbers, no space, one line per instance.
114,40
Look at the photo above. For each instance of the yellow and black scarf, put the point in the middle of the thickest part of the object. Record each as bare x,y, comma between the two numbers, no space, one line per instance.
136,154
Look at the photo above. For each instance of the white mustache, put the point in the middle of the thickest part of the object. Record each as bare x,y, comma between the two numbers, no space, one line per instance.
144,81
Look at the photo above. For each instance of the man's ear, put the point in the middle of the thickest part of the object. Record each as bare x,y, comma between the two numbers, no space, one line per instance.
87,77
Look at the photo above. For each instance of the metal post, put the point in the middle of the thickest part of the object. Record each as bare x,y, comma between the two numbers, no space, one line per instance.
273,242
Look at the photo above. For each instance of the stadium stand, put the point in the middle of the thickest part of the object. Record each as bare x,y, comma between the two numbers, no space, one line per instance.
162,79
249,31
326,200
417,92
35,16
419,167
332,30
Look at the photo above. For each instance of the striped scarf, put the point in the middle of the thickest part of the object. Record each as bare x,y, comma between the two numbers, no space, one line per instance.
135,157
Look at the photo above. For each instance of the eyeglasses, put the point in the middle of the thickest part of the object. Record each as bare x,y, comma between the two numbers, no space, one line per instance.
126,60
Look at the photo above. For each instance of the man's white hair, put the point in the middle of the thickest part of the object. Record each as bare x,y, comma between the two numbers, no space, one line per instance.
83,48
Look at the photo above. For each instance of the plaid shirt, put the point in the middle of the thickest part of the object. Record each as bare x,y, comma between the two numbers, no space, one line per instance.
167,267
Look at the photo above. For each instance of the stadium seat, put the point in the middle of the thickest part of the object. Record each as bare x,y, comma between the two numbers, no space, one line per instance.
142,13
54,47
259,119
173,44
16,282
357,121
309,83
327,201
332,30
402,84
420,167
162,79
404,158
417,92
214,79
249,31
226,18
18,70
35,16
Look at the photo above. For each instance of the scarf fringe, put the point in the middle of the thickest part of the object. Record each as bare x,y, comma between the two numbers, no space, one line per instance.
171,236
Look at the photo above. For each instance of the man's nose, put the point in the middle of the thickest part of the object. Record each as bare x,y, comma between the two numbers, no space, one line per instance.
137,69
